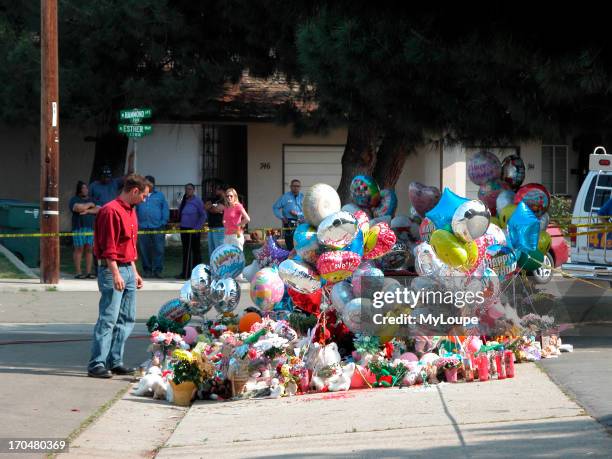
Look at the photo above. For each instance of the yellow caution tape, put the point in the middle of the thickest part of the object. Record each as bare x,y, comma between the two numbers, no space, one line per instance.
168,231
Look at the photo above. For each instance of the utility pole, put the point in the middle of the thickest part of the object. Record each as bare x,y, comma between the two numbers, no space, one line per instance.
49,143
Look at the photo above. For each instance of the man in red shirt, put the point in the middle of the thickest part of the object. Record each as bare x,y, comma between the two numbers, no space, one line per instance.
115,242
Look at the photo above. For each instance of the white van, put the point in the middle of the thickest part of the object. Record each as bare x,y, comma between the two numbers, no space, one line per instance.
591,253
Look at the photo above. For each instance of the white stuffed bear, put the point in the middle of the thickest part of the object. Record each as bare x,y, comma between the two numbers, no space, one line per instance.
146,383
327,370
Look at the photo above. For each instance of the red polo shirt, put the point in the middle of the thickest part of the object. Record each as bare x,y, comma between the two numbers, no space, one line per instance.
116,232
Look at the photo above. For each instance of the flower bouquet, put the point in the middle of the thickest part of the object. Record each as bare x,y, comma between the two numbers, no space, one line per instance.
186,376
388,374
450,365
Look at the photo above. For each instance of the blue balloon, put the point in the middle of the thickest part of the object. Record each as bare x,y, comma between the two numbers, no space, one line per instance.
523,229
442,214
356,244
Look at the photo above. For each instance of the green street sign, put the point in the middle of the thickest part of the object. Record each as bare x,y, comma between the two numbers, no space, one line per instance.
135,130
135,115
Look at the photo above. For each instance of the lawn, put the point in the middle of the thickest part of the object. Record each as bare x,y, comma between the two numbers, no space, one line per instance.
172,260
8,270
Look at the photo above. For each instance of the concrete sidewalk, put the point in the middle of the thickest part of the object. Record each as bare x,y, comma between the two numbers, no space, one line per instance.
526,416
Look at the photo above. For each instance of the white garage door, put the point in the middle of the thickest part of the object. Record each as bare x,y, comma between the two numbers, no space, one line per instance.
312,164
501,152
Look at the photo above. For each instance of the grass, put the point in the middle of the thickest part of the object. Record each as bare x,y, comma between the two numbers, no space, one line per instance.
9,271
173,257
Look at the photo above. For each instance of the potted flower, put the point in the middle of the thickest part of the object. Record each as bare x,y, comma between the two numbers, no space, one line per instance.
186,376
450,366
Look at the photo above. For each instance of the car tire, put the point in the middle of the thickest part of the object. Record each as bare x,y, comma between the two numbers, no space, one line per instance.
544,274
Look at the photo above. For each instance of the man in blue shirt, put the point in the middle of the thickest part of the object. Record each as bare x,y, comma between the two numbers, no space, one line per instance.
153,215
105,189
288,208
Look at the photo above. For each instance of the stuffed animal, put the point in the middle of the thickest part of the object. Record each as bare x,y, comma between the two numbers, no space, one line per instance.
327,371
146,383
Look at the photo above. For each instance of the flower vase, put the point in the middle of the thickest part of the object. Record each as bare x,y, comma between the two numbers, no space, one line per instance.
183,392
451,374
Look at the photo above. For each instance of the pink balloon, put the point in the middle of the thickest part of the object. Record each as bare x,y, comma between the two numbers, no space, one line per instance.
472,344
358,381
191,334
409,356
423,198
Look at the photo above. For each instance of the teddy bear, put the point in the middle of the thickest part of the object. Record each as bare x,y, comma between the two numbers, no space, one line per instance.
327,372
146,383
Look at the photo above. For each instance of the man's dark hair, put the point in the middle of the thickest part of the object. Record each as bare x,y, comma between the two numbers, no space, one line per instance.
80,184
150,178
295,181
136,181
105,171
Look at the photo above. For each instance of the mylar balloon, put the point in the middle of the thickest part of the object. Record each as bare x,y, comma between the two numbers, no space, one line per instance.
366,269
306,243
523,229
363,221
489,192
267,289
364,191
471,220
483,167
299,276
320,201
175,310
513,171
506,214
426,262
378,241
249,271
544,221
201,278
423,198
496,234
505,198
186,295
226,295
337,230
387,205
308,302
449,249
271,254
352,208
442,214
356,245
337,266
544,242
502,261
530,261
535,196
425,229
351,315
397,257
227,260
341,294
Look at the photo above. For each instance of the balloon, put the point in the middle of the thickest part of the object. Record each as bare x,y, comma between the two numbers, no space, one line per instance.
363,221
449,249
544,242
513,171
299,276
505,198
308,302
191,334
489,192
247,321
535,196
423,198
472,344
502,260
470,220
496,235
249,271
384,219
523,229
366,269
337,230
387,205
429,358
227,260
544,221
356,245
378,241
353,208
351,315
320,201
426,261
267,289
409,356
442,214
483,167
425,229
226,294
175,310
200,280
364,191
495,221
505,214
341,294
530,261
198,305
271,254
337,266
306,243
396,258
361,377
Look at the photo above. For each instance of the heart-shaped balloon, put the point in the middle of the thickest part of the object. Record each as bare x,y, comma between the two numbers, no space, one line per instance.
299,276
423,198
387,205
308,302
378,241
337,266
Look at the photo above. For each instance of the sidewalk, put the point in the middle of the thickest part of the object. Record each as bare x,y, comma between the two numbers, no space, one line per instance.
522,417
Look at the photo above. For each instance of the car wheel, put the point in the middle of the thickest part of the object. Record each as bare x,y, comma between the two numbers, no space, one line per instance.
544,273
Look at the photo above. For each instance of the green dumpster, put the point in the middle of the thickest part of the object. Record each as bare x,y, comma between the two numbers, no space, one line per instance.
21,217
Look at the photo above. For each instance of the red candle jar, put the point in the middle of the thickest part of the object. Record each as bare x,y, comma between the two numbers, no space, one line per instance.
499,365
483,367
509,363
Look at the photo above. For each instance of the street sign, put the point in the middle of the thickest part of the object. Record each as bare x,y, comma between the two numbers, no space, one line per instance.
135,130
135,115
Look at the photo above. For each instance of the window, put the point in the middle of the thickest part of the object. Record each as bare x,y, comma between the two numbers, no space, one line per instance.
554,168
602,195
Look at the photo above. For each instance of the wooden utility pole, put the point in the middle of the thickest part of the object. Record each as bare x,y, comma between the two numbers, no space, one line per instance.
49,143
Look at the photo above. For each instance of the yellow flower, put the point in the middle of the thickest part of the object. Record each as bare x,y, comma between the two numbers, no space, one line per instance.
182,354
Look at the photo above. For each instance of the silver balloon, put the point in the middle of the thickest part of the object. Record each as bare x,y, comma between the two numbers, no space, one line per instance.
505,198
299,276
351,315
396,258
336,231
426,262
351,208
201,278
320,201
227,260
471,220
225,294
341,294
249,271
175,310
544,221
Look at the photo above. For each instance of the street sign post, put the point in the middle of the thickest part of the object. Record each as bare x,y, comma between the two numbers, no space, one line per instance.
135,130
134,116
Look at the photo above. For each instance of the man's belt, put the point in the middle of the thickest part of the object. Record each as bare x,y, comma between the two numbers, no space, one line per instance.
104,262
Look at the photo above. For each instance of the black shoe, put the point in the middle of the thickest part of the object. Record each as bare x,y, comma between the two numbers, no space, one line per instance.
99,372
121,370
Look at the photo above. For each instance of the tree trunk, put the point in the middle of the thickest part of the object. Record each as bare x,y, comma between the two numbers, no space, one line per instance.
359,156
390,161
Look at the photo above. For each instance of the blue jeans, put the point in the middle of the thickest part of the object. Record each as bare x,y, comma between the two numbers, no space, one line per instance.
116,317
151,251
215,239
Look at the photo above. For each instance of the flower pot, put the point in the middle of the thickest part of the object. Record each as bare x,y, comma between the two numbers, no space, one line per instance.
451,375
238,383
183,392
